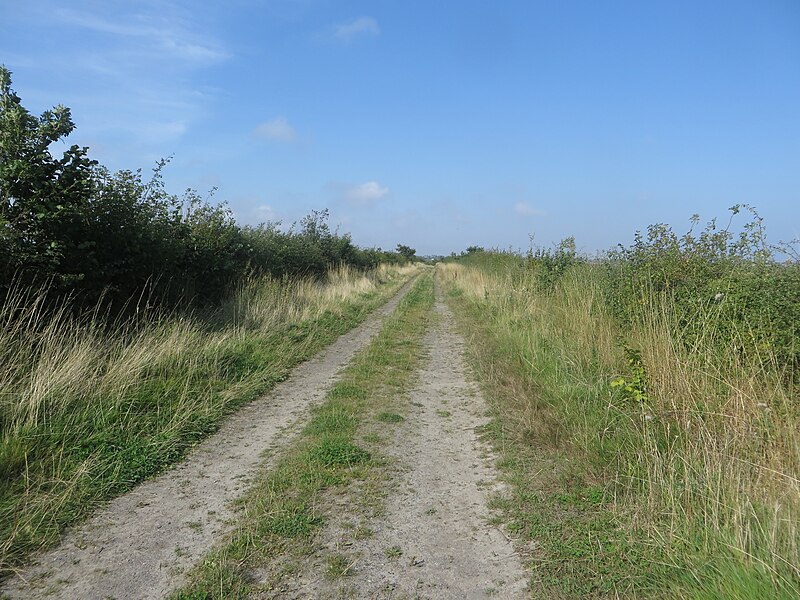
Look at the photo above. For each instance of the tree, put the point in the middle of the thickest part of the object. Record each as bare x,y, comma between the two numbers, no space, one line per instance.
406,251
42,198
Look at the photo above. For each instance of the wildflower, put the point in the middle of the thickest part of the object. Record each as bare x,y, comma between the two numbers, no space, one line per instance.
719,296
648,417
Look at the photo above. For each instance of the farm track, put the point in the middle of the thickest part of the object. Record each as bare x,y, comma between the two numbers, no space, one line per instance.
434,539
140,544
431,539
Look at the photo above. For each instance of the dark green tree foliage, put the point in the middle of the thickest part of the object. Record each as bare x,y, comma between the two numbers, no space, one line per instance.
43,200
135,236
309,248
407,251
73,226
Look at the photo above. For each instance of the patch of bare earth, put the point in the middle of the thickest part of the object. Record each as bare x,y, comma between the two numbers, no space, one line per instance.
429,536
138,546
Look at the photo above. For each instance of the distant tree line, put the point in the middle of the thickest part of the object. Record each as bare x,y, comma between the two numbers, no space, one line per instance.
71,225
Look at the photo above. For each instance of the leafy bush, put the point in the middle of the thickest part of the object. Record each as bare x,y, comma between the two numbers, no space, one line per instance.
551,265
725,285
42,199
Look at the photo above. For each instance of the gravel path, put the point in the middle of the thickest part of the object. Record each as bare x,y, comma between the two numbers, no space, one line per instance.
139,545
434,539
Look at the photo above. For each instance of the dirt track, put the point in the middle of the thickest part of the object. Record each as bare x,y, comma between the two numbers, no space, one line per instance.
433,540
139,545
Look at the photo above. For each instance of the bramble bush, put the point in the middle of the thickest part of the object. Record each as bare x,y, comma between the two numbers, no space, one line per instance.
724,285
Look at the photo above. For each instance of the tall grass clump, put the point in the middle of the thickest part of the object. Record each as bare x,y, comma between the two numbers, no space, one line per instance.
665,381
88,408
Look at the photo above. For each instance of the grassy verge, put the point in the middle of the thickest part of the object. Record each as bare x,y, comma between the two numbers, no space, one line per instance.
85,414
639,467
282,511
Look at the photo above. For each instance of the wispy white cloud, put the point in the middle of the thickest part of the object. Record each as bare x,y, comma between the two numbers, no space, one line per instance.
133,73
196,53
360,194
162,132
526,210
278,129
249,212
365,193
360,26
153,33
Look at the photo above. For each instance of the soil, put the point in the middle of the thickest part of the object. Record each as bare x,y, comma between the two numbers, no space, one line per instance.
433,537
140,544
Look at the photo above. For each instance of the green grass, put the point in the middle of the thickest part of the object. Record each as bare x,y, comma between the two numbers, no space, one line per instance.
681,483
583,547
281,512
89,415
338,566
393,552
389,417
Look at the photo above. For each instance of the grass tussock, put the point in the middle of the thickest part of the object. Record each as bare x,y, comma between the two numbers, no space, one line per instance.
86,412
644,461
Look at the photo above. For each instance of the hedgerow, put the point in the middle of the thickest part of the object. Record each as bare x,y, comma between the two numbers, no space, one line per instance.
72,226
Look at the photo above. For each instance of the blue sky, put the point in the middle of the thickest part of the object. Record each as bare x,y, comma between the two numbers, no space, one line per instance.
436,124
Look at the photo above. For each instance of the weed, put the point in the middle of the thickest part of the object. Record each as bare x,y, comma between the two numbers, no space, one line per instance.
393,552
373,438
338,566
363,532
388,417
336,451
290,520
633,387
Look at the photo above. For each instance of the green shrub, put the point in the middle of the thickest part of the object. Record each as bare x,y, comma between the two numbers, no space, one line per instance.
726,286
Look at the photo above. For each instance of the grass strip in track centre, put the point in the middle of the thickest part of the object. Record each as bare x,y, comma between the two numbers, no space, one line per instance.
113,435
280,513
577,545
